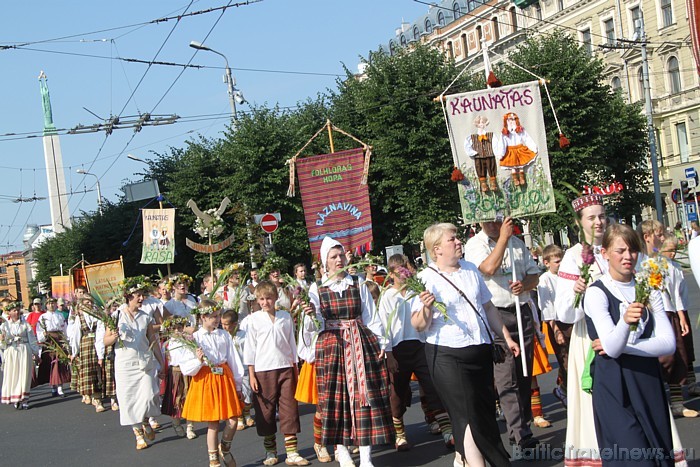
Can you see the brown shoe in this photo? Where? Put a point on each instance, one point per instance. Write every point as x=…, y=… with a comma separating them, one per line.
x=493, y=184
x=516, y=180
x=140, y=442
x=522, y=178
x=225, y=454
x=484, y=186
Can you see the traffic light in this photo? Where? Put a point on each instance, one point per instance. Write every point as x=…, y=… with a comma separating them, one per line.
x=686, y=194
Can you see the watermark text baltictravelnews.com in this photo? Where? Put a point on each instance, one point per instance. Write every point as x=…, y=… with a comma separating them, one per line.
x=559, y=453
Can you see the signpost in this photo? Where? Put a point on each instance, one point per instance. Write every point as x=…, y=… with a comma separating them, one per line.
x=269, y=223
x=691, y=178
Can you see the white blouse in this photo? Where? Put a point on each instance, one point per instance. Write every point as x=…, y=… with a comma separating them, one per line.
x=49, y=322
x=270, y=345
x=395, y=313
x=218, y=348
x=569, y=273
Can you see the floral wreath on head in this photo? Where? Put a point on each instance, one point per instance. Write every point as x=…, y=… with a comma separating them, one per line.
x=12, y=305
x=206, y=310
x=274, y=262
x=234, y=267
x=130, y=285
x=176, y=278
x=173, y=322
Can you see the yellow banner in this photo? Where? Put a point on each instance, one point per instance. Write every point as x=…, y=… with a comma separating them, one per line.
x=60, y=287
x=103, y=278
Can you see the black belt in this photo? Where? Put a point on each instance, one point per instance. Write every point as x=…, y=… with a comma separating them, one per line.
x=511, y=309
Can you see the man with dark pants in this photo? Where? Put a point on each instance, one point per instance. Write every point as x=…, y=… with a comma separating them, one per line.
x=489, y=251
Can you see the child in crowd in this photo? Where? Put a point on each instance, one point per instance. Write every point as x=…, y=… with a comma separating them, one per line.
x=407, y=356
x=176, y=383
x=271, y=355
x=19, y=346
x=230, y=324
x=629, y=399
x=557, y=332
x=212, y=395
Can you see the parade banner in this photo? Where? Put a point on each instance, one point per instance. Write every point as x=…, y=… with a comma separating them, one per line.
x=60, y=287
x=335, y=202
x=78, y=278
x=499, y=145
x=213, y=248
x=103, y=278
x=158, y=236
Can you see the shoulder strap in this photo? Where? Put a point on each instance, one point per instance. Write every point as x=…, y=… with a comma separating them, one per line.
x=464, y=296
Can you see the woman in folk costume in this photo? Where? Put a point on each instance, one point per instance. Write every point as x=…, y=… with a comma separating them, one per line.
x=136, y=354
x=515, y=149
x=51, y=331
x=581, y=440
x=81, y=333
x=19, y=351
x=351, y=375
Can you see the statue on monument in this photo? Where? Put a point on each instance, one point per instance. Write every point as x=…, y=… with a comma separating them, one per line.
x=46, y=102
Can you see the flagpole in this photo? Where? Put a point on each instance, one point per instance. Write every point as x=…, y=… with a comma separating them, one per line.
x=518, y=313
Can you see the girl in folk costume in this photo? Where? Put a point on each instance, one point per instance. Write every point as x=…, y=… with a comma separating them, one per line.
x=629, y=399
x=105, y=356
x=182, y=302
x=351, y=376
x=307, y=390
x=19, y=345
x=81, y=334
x=272, y=271
x=674, y=366
x=176, y=383
x=407, y=356
x=51, y=331
x=515, y=149
x=136, y=356
x=216, y=372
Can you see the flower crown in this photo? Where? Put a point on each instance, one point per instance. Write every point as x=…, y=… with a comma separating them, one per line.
x=175, y=321
x=174, y=279
x=274, y=263
x=371, y=259
x=12, y=306
x=133, y=284
x=234, y=267
x=205, y=310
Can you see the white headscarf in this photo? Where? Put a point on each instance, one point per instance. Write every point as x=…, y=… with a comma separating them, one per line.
x=327, y=245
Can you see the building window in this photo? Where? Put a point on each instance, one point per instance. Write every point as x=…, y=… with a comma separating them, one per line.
x=392, y=48
x=586, y=41
x=3, y=270
x=616, y=84
x=471, y=5
x=479, y=35
x=4, y=293
x=513, y=19
x=682, y=136
x=428, y=26
x=3, y=281
x=450, y=51
x=441, y=19
x=640, y=78
x=403, y=40
x=416, y=33
x=674, y=75
x=494, y=27
x=609, y=28
x=659, y=152
x=463, y=39
x=636, y=15
x=538, y=11
x=666, y=13
x=560, y=3
x=456, y=10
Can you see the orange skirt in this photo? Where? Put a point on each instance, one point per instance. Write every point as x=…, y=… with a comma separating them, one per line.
x=306, y=384
x=547, y=339
x=211, y=397
x=540, y=362
x=517, y=156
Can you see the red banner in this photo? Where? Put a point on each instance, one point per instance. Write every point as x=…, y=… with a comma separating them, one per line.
x=694, y=20
x=335, y=202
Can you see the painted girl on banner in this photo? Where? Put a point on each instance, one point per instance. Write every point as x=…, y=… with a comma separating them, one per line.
x=516, y=148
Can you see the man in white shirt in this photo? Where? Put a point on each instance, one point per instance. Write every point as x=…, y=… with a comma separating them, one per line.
x=489, y=251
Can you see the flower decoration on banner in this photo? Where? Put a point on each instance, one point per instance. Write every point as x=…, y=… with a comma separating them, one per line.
x=274, y=262
x=177, y=278
x=12, y=305
x=131, y=285
x=174, y=322
x=457, y=175
x=651, y=277
x=205, y=310
x=212, y=227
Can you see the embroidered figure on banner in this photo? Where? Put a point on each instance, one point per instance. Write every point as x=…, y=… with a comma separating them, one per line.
x=479, y=146
x=516, y=148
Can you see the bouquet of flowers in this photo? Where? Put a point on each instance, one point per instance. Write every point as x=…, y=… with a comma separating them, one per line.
x=651, y=277
x=59, y=349
x=183, y=339
x=414, y=286
x=213, y=228
x=587, y=259
x=102, y=314
x=299, y=293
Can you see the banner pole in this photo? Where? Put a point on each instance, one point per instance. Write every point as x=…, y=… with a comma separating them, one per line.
x=330, y=134
x=160, y=204
x=518, y=313
x=211, y=261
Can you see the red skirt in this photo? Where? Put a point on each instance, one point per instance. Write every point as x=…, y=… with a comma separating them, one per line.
x=211, y=398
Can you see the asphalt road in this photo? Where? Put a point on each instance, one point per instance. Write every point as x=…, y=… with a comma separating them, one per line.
x=64, y=432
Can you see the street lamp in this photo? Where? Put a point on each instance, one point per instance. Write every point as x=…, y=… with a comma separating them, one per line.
x=234, y=95
x=134, y=158
x=99, y=193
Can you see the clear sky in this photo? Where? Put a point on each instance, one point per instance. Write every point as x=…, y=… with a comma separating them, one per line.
x=62, y=38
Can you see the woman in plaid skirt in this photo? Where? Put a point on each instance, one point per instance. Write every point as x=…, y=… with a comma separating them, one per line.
x=105, y=358
x=351, y=376
x=81, y=334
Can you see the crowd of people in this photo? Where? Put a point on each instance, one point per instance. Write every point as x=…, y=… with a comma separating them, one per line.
x=473, y=328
